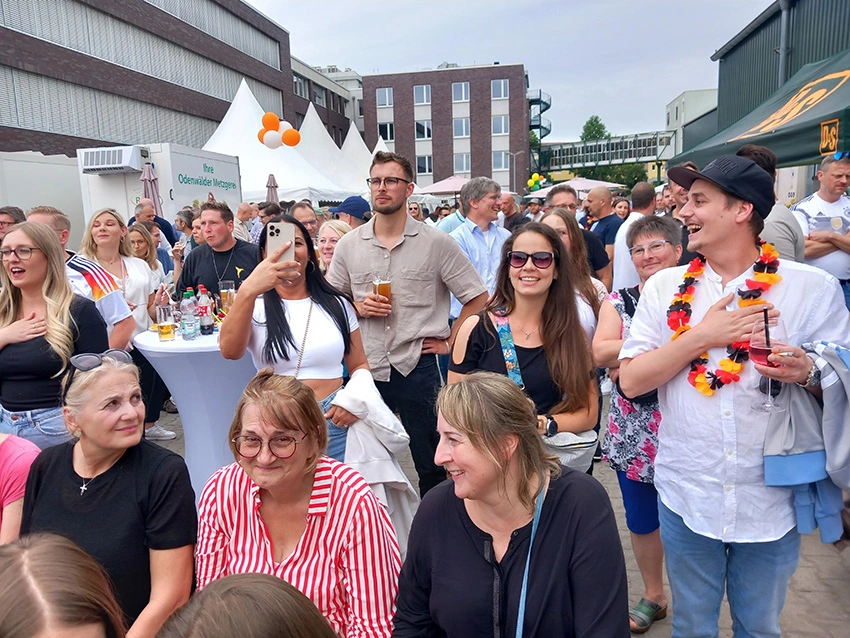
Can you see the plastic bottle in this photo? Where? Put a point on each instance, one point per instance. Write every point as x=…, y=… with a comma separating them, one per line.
x=205, y=312
x=189, y=318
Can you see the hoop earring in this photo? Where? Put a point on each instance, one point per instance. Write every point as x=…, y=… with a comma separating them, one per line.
x=311, y=267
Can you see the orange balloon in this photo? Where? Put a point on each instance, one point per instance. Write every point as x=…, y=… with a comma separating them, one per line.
x=262, y=133
x=271, y=121
x=291, y=137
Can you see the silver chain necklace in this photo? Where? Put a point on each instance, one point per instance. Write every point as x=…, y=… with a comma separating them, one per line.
x=217, y=276
x=84, y=486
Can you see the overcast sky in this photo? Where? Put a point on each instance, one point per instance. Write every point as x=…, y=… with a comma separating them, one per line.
x=623, y=60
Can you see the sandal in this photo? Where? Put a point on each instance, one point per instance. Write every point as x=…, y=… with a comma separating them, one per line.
x=645, y=613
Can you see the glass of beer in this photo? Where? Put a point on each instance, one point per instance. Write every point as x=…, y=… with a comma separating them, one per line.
x=381, y=286
x=165, y=323
x=227, y=290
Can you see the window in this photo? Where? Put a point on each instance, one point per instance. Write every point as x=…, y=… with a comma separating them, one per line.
x=384, y=97
x=677, y=113
x=387, y=131
x=501, y=161
x=462, y=163
x=461, y=126
x=423, y=129
x=424, y=165
x=359, y=107
x=300, y=87
x=498, y=89
x=320, y=96
x=299, y=120
x=668, y=118
x=422, y=94
x=501, y=125
x=460, y=92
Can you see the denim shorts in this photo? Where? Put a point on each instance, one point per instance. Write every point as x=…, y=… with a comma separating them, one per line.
x=336, y=434
x=44, y=427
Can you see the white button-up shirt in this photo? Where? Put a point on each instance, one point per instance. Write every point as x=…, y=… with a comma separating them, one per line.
x=710, y=464
x=484, y=250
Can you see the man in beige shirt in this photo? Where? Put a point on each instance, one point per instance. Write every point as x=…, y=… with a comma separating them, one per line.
x=241, y=227
x=402, y=332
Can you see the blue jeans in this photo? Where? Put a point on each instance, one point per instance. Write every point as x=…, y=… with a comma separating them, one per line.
x=846, y=288
x=45, y=427
x=336, y=434
x=754, y=575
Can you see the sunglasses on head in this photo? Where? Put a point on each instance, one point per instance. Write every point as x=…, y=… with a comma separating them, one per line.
x=840, y=155
x=91, y=360
x=518, y=259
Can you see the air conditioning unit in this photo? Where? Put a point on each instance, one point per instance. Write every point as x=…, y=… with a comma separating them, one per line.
x=114, y=159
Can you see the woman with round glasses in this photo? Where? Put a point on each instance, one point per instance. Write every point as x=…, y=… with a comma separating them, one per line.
x=287, y=510
x=125, y=501
x=535, y=305
x=42, y=325
x=632, y=434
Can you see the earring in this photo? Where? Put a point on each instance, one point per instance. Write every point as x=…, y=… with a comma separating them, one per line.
x=311, y=267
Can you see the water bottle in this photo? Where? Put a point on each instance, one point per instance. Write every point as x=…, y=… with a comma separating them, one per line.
x=189, y=319
x=205, y=311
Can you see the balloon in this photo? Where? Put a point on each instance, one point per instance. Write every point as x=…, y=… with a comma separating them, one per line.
x=262, y=134
x=284, y=125
x=535, y=177
x=291, y=137
x=530, y=183
x=536, y=187
x=271, y=121
x=272, y=139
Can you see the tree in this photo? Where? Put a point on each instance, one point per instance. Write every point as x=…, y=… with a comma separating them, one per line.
x=594, y=129
x=628, y=174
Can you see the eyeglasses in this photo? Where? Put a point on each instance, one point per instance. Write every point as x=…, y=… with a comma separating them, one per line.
x=282, y=447
x=413, y=208
x=652, y=248
x=91, y=360
x=7, y=224
x=389, y=182
x=22, y=252
x=541, y=260
x=841, y=155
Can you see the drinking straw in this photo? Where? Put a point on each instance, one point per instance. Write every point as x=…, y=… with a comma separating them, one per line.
x=766, y=328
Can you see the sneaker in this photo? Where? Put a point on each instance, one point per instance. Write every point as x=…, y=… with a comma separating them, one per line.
x=170, y=407
x=607, y=385
x=158, y=433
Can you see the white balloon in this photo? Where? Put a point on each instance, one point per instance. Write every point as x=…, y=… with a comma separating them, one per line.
x=272, y=139
x=284, y=125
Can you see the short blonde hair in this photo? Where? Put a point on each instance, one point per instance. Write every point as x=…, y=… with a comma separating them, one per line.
x=336, y=225
x=79, y=392
x=487, y=408
x=285, y=403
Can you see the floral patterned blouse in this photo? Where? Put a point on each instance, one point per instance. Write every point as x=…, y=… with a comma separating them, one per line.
x=631, y=441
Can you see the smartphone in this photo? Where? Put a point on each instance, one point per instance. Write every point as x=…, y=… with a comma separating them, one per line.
x=277, y=234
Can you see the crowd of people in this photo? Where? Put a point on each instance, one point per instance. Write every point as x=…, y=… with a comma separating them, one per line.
x=478, y=336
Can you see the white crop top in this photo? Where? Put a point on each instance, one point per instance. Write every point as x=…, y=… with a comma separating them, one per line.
x=324, y=349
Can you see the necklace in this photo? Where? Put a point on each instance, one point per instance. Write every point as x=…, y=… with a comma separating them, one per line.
x=679, y=318
x=217, y=276
x=84, y=486
x=528, y=334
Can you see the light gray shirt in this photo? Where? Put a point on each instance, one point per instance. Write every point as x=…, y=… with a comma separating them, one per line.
x=783, y=230
x=423, y=267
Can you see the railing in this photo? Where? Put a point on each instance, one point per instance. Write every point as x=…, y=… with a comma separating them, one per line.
x=541, y=125
x=625, y=149
x=536, y=97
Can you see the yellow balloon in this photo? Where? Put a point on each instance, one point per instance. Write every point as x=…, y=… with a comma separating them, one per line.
x=535, y=177
x=530, y=183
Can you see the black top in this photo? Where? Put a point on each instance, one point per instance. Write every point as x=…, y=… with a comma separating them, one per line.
x=166, y=228
x=606, y=228
x=200, y=268
x=451, y=585
x=145, y=501
x=597, y=258
x=687, y=256
x=484, y=353
x=28, y=370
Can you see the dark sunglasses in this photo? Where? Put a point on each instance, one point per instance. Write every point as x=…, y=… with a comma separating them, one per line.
x=91, y=360
x=541, y=260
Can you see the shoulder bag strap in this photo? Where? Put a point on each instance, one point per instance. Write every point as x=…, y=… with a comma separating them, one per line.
x=521, y=615
x=506, y=340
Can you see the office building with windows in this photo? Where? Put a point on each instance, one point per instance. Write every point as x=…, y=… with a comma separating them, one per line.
x=82, y=73
x=467, y=121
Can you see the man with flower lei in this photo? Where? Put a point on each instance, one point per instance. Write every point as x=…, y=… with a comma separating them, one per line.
x=720, y=524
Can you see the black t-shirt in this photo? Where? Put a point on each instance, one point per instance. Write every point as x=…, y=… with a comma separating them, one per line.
x=28, y=370
x=208, y=267
x=451, y=585
x=145, y=501
x=484, y=353
x=687, y=256
x=606, y=228
x=597, y=258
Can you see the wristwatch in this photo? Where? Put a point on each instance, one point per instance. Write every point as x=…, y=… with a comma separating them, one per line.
x=813, y=379
x=551, y=425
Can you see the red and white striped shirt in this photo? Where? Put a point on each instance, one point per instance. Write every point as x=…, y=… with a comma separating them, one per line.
x=347, y=562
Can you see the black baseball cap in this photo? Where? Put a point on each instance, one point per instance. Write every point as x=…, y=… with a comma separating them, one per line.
x=737, y=176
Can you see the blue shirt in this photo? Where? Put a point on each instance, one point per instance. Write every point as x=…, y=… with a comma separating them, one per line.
x=607, y=228
x=448, y=224
x=484, y=250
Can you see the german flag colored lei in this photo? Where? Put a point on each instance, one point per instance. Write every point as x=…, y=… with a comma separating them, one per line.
x=679, y=318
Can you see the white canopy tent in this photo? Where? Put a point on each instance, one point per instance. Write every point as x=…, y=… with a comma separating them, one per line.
x=296, y=177
x=357, y=155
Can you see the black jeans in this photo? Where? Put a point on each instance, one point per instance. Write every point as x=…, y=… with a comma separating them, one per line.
x=413, y=398
x=154, y=391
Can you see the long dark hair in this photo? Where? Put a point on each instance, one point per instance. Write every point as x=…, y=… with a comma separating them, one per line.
x=577, y=255
x=278, y=333
x=564, y=340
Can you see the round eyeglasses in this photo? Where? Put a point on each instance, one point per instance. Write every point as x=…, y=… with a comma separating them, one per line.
x=248, y=446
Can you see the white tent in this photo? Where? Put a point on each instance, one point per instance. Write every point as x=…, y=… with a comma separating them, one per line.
x=381, y=145
x=325, y=156
x=357, y=155
x=296, y=177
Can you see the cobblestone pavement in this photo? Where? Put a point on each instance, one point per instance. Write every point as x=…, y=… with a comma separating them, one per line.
x=818, y=603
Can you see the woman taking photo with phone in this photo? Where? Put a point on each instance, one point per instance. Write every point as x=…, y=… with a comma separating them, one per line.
x=290, y=318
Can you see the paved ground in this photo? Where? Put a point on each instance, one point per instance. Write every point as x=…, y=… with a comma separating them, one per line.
x=818, y=604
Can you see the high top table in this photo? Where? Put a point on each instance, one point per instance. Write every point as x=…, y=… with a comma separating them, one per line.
x=206, y=388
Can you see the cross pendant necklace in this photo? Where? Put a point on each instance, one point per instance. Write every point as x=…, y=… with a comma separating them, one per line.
x=84, y=486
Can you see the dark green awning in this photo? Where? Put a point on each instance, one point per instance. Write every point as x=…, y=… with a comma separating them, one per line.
x=806, y=119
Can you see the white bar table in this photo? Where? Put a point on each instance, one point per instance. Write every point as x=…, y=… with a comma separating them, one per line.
x=206, y=388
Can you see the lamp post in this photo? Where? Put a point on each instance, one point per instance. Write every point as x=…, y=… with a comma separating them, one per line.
x=513, y=169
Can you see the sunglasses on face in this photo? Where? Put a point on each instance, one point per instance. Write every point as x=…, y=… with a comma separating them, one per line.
x=542, y=260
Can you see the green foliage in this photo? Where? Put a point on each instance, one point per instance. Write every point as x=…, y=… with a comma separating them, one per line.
x=628, y=174
x=594, y=129
x=533, y=140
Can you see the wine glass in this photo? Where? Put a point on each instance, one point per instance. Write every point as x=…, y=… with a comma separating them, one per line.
x=766, y=335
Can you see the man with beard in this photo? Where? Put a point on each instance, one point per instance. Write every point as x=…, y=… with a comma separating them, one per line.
x=403, y=330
